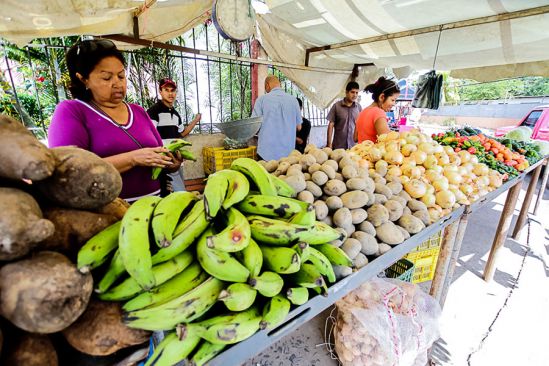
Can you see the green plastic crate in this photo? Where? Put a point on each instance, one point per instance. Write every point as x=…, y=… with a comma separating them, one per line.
x=402, y=270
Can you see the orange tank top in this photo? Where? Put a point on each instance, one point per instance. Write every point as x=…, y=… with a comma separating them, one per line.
x=365, y=123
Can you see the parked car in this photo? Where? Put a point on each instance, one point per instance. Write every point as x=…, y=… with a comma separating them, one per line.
x=537, y=119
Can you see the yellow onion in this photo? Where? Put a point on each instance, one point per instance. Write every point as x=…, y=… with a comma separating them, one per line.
x=430, y=189
x=393, y=135
x=430, y=161
x=466, y=189
x=374, y=154
x=434, y=214
x=428, y=199
x=445, y=199
x=412, y=139
x=474, y=159
x=480, y=169
x=394, y=170
x=415, y=188
x=437, y=148
x=453, y=177
x=441, y=184
x=449, y=150
x=496, y=181
x=392, y=146
x=407, y=149
x=426, y=147
x=393, y=157
x=418, y=156
x=443, y=159
x=449, y=168
x=465, y=156
x=455, y=159
x=432, y=175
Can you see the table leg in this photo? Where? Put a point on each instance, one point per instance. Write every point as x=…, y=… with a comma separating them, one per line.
x=455, y=255
x=446, y=248
x=526, y=204
x=542, y=188
x=503, y=228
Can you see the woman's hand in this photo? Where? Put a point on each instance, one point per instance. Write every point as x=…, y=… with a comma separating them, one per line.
x=177, y=159
x=153, y=157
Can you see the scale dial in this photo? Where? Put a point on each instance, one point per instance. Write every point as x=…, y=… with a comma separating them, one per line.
x=234, y=19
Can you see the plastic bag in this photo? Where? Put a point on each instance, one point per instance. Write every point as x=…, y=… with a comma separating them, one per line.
x=386, y=322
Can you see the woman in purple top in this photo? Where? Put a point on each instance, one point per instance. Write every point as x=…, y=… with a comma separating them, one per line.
x=99, y=120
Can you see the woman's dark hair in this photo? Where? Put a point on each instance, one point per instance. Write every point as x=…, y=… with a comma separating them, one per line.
x=82, y=58
x=382, y=86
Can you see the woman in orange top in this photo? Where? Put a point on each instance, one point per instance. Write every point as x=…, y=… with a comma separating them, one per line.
x=372, y=121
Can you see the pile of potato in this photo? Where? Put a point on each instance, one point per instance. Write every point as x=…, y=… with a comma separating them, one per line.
x=51, y=202
x=381, y=194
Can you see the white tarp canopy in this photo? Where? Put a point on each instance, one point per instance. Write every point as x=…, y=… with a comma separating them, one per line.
x=480, y=39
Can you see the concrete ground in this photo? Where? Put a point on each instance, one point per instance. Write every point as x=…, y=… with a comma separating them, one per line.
x=503, y=322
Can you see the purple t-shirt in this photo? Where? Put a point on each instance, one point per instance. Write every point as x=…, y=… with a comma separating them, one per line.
x=77, y=123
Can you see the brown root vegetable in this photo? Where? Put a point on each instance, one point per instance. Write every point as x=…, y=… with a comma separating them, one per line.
x=73, y=228
x=23, y=157
x=389, y=233
x=354, y=199
x=116, y=208
x=32, y=350
x=43, y=294
x=100, y=330
x=335, y=187
x=21, y=224
x=378, y=214
x=81, y=180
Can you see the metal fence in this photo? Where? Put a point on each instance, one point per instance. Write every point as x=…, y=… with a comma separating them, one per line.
x=34, y=79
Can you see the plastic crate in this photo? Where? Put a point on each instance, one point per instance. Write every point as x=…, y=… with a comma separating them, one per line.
x=425, y=257
x=217, y=158
x=402, y=270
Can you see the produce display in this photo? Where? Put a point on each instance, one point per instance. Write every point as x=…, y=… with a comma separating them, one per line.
x=176, y=146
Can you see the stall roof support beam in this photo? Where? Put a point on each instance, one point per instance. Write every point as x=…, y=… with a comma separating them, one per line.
x=432, y=29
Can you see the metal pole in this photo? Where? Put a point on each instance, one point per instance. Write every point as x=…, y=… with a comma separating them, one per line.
x=184, y=84
x=220, y=82
x=209, y=81
x=36, y=92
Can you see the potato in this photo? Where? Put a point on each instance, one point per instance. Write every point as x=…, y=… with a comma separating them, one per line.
x=313, y=188
x=100, y=330
x=334, y=187
x=319, y=155
x=404, y=232
x=378, y=214
x=271, y=165
x=380, y=198
x=306, y=196
x=81, y=180
x=339, y=177
x=342, y=271
x=383, y=248
x=314, y=168
x=384, y=190
x=371, y=199
x=395, y=209
x=334, y=202
x=319, y=177
x=73, y=228
x=359, y=215
x=358, y=184
x=306, y=161
x=380, y=180
x=282, y=168
x=116, y=208
x=363, y=172
x=43, y=294
x=381, y=167
x=327, y=220
x=405, y=195
x=349, y=172
x=423, y=215
x=367, y=227
x=321, y=209
x=342, y=217
x=416, y=205
x=294, y=169
x=360, y=260
x=32, y=350
x=389, y=233
x=338, y=154
x=351, y=247
x=411, y=224
x=354, y=199
x=347, y=161
x=309, y=147
x=293, y=159
x=349, y=229
x=343, y=235
x=406, y=211
x=21, y=224
x=297, y=182
x=327, y=150
x=307, y=176
x=23, y=156
x=367, y=241
x=331, y=163
x=395, y=186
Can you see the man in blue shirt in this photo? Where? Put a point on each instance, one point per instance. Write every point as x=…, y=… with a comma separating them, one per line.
x=281, y=119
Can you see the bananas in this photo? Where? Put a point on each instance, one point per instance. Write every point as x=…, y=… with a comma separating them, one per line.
x=190, y=228
x=162, y=273
x=280, y=232
x=281, y=259
x=133, y=241
x=306, y=217
x=115, y=270
x=206, y=352
x=238, y=187
x=214, y=193
x=322, y=263
x=166, y=216
x=251, y=257
x=298, y=295
x=308, y=276
x=171, y=350
x=180, y=284
x=184, y=308
x=268, y=284
x=218, y=263
x=238, y=296
x=282, y=188
x=335, y=255
x=257, y=173
x=303, y=249
x=174, y=146
x=272, y=206
x=275, y=312
x=96, y=250
x=235, y=236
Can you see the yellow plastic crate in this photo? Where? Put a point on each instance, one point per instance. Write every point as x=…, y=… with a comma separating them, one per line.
x=425, y=257
x=217, y=158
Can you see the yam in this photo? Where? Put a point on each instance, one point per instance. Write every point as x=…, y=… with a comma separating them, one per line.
x=395, y=209
x=338, y=154
x=360, y=260
x=23, y=156
x=320, y=178
x=100, y=330
x=294, y=169
x=416, y=205
x=351, y=247
x=32, y=350
x=271, y=165
x=81, y=180
x=380, y=198
x=43, y=294
x=321, y=209
x=314, y=168
x=334, y=203
x=73, y=228
x=358, y=215
x=383, y=248
x=378, y=214
x=423, y=215
x=21, y=224
x=395, y=186
x=383, y=189
x=306, y=196
x=367, y=241
x=367, y=227
x=349, y=172
x=306, y=161
x=332, y=164
x=297, y=182
x=313, y=188
x=411, y=224
x=389, y=233
x=342, y=217
x=356, y=184
x=116, y=208
x=334, y=187
x=354, y=199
